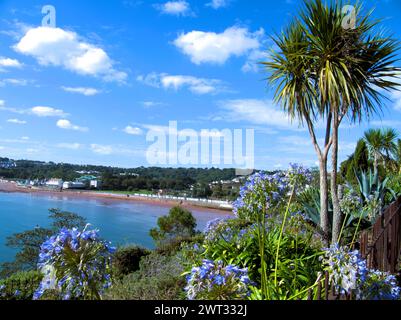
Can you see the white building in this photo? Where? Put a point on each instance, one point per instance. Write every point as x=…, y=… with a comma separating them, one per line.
x=74, y=185
x=55, y=183
x=96, y=184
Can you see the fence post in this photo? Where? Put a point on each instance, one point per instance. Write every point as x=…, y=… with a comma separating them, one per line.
x=326, y=285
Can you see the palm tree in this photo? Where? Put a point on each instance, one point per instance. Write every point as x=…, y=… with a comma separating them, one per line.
x=381, y=145
x=296, y=91
x=390, y=137
x=374, y=142
x=355, y=66
x=345, y=69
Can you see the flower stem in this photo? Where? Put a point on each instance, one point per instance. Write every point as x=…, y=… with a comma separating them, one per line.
x=343, y=227
x=281, y=234
x=356, y=230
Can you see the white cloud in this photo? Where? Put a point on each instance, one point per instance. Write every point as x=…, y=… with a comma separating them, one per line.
x=101, y=149
x=67, y=125
x=176, y=82
x=14, y=82
x=150, y=104
x=133, y=131
x=9, y=63
x=261, y=112
x=396, y=97
x=347, y=147
x=81, y=90
x=32, y=150
x=122, y=150
x=16, y=121
x=217, y=48
x=58, y=47
x=156, y=128
x=175, y=8
x=41, y=111
x=71, y=146
x=254, y=58
x=217, y=4
x=25, y=138
x=385, y=123
x=298, y=141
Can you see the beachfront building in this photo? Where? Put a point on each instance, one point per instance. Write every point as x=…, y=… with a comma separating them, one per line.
x=74, y=185
x=90, y=181
x=95, y=184
x=54, y=183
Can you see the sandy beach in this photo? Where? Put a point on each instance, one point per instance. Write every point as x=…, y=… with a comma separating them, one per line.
x=10, y=187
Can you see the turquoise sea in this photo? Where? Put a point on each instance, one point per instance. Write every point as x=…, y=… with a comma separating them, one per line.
x=120, y=222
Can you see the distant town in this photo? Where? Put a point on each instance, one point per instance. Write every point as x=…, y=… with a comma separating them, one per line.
x=195, y=183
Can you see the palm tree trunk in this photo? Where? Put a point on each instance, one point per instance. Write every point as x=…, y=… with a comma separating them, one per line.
x=324, y=199
x=324, y=189
x=376, y=163
x=337, y=216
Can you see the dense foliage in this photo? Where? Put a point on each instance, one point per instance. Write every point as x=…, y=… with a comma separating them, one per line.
x=126, y=260
x=178, y=224
x=159, y=278
x=20, y=286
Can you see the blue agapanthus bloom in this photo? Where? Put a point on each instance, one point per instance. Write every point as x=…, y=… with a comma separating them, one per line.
x=75, y=263
x=217, y=228
x=214, y=281
x=350, y=274
x=264, y=192
x=379, y=285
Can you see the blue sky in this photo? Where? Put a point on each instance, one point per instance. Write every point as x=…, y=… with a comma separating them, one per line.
x=88, y=91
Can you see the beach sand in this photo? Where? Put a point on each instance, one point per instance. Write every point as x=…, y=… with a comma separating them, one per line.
x=10, y=187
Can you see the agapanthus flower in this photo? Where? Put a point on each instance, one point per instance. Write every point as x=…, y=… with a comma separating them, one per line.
x=349, y=273
x=264, y=192
x=58, y=262
x=214, y=281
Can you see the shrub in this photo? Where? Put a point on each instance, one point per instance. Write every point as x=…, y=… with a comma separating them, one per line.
x=20, y=286
x=238, y=244
x=179, y=223
x=159, y=278
x=126, y=260
x=175, y=245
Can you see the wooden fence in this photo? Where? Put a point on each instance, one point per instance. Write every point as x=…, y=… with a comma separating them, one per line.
x=380, y=246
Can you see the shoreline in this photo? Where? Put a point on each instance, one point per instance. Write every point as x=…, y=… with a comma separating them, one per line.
x=9, y=187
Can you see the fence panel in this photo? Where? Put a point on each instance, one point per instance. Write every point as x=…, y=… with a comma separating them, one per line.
x=382, y=250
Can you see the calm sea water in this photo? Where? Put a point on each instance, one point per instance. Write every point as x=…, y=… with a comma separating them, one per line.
x=119, y=222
